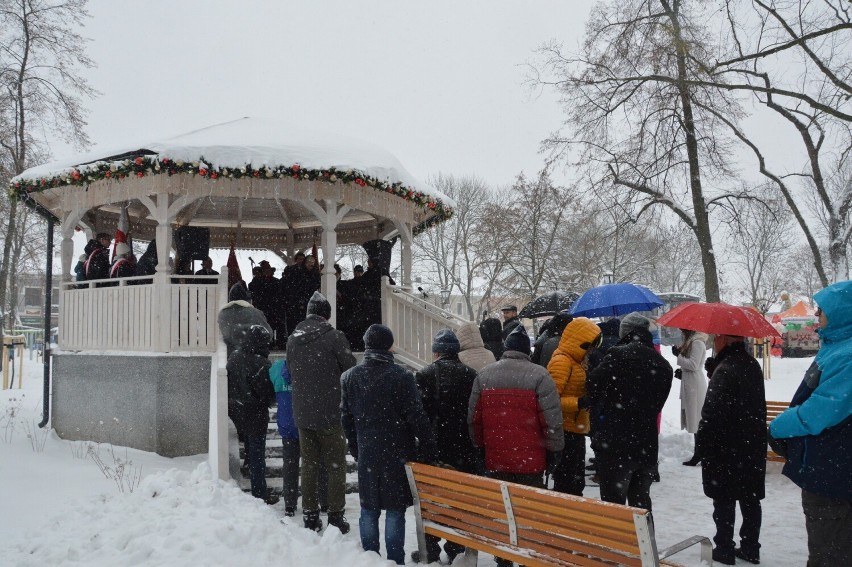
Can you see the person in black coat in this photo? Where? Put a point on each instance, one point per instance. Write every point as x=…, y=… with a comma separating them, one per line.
x=385, y=426
x=548, y=338
x=491, y=331
x=147, y=264
x=445, y=387
x=510, y=320
x=731, y=442
x=626, y=392
x=250, y=393
x=609, y=338
x=97, y=262
x=265, y=292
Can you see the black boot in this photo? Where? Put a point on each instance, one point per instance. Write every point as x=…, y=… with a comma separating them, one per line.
x=338, y=520
x=693, y=461
x=725, y=556
x=313, y=521
x=746, y=556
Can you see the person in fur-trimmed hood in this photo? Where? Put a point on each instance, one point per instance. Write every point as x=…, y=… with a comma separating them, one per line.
x=237, y=316
x=567, y=366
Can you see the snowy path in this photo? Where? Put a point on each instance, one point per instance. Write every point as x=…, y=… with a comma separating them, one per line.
x=57, y=507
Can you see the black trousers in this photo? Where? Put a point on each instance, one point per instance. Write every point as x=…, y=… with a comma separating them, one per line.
x=829, y=525
x=570, y=476
x=724, y=514
x=626, y=482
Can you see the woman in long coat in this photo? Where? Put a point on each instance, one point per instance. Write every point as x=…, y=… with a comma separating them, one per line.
x=693, y=384
x=732, y=444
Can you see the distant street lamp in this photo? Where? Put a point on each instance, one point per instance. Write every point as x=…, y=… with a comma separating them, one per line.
x=445, y=297
x=607, y=278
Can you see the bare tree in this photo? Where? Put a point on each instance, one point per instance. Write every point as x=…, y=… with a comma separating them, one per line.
x=41, y=90
x=462, y=254
x=635, y=98
x=759, y=245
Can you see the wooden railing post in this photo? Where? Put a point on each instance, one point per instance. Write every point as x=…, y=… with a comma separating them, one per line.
x=217, y=454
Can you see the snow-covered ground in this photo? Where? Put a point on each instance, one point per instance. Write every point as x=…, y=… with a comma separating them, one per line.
x=58, y=508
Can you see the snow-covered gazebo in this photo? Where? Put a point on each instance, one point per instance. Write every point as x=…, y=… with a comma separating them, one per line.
x=135, y=361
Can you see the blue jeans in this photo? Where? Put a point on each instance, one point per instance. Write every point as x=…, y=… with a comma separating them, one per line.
x=256, y=453
x=394, y=533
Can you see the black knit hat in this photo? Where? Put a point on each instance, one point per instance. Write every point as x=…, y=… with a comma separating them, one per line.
x=319, y=305
x=518, y=340
x=378, y=337
x=446, y=342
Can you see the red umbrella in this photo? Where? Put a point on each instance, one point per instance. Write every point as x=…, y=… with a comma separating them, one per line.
x=719, y=319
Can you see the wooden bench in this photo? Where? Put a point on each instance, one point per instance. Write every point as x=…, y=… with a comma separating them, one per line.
x=772, y=411
x=533, y=526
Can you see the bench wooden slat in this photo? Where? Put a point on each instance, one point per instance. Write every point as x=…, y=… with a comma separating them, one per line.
x=499, y=535
x=496, y=549
x=625, y=542
x=465, y=502
x=536, y=509
x=773, y=409
x=555, y=547
x=439, y=513
x=538, y=497
x=485, y=493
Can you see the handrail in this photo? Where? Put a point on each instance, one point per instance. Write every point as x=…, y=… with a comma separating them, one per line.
x=430, y=307
x=90, y=284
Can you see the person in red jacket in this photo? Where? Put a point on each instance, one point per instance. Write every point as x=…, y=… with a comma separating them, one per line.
x=515, y=416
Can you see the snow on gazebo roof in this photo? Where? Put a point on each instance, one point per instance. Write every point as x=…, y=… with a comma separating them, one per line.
x=247, y=147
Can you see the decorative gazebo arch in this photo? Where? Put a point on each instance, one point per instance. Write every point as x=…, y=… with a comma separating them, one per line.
x=263, y=183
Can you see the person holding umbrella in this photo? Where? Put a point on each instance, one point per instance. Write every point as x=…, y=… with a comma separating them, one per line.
x=693, y=385
x=731, y=442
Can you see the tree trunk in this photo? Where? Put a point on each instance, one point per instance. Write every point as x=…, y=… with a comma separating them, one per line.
x=702, y=220
x=7, y=253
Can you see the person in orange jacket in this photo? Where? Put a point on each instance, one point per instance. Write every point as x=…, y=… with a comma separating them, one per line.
x=567, y=367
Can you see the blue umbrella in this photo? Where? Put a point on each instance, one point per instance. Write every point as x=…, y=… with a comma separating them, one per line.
x=611, y=300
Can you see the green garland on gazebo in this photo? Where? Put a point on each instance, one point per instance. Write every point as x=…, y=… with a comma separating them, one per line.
x=144, y=165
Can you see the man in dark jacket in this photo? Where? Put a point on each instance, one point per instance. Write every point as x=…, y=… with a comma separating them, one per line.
x=445, y=387
x=266, y=295
x=731, y=441
x=147, y=264
x=491, y=331
x=237, y=316
x=510, y=319
x=97, y=262
x=317, y=354
x=626, y=392
x=385, y=426
x=250, y=394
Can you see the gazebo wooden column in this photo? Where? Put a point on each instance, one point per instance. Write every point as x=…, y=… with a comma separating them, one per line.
x=329, y=215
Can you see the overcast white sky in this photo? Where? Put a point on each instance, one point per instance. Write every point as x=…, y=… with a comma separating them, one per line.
x=439, y=83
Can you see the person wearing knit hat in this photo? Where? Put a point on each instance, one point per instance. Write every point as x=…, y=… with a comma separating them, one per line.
x=317, y=356
x=518, y=340
x=445, y=342
x=445, y=387
x=319, y=305
x=626, y=392
x=634, y=322
x=385, y=426
x=378, y=337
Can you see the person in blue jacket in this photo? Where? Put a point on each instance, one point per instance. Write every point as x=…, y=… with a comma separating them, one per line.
x=817, y=430
x=279, y=375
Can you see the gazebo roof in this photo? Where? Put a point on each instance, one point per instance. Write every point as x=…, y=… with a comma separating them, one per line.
x=238, y=167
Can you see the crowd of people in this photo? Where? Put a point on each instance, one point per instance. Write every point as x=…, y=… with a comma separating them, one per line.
x=490, y=405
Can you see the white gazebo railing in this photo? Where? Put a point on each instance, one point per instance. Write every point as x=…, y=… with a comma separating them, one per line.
x=136, y=315
x=414, y=322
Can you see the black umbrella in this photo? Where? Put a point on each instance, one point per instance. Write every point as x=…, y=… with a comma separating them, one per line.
x=549, y=304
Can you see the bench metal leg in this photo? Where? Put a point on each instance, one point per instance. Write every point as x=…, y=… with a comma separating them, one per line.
x=706, y=548
x=418, y=518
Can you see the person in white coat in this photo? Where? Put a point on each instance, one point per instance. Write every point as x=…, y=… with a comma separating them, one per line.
x=693, y=385
x=473, y=352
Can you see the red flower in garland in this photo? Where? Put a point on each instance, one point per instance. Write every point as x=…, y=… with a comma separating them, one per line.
x=202, y=172
x=296, y=167
x=107, y=174
x=164, y=161
x=75, y=175
x=214, y=175
x=140, y=174
x=360, y=182
x=138, y=161
x=432, y=205
x=255, y=173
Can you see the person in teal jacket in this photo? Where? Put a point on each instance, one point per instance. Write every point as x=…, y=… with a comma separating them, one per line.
x=817, y=432
x=279, y=375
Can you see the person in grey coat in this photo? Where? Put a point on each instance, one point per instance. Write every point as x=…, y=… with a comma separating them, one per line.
x=317, y=355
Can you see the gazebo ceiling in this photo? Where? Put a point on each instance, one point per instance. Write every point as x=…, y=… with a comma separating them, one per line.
x=247, y=176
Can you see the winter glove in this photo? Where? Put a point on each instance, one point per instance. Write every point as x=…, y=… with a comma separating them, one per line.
x=777, y=445
x=678, y=374
x=710, y=366
x=675, y=351
x=583, y=403
x=553, y=459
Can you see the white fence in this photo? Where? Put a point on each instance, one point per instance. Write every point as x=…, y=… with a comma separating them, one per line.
x=414, y=322
x=137, y=315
